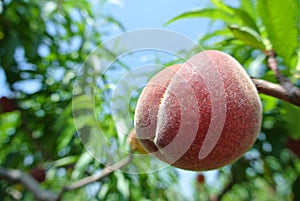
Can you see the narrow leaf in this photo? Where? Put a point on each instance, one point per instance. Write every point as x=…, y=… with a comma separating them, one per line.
x=83, y=102
x=246, y=19
x=222, y=6
x=66, y=136
x=81, y=165
x=249, y=6
x=248, y=36
x=217, y=33
x=69, y=160
x=212, y=13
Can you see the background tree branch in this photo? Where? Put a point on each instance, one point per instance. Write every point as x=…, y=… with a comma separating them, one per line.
x=29, y=183
x=97, y=176
x=46, y=195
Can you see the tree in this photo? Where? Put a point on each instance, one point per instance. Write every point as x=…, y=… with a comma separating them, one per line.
x=42, y=45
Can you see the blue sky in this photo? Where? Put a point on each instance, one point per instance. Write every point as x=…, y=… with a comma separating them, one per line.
x=137, y=14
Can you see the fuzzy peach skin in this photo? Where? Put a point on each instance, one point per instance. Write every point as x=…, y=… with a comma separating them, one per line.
x=200, y=115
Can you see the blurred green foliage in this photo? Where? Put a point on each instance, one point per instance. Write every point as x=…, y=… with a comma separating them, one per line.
x=42, y=46
x=44, y=43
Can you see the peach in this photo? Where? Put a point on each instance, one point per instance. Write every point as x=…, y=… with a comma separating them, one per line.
x=200, y=115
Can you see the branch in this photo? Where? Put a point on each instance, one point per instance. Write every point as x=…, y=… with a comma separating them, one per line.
x=97, y=176
x=273, y=65
x=45, y=195
x=277, y=91
x=29, y=183
x=290, y=92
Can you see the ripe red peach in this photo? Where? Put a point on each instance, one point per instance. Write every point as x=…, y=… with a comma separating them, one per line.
x=200, y=115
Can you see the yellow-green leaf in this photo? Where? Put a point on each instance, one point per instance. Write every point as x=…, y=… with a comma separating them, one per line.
x=248, y=36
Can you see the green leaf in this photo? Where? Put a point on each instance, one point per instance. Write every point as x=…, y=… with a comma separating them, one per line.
x=249, y=6
x=81, y=165
x=269, y=103
x=82, y=102
x=246, y=19
x=103, y=191
x=85, y=121
x=248, y=36
x=212, y=13
x=65, y=137
x=226, y=43
x=222, y=6
x=216, y=33
x=281, y=20
x=298, y=65
x=295, y=188
x=292, y=116
x=65, y=161
x=122, y=184
x=222, y=12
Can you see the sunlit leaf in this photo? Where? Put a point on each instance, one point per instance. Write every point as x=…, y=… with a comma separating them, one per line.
x=246, y=19
x=83, y=102
x=222, y=6
x=219, y=33
x=81, y=165
x=69, y=160
x=297, y=73
x=281, y=21
x=249, y=6
x=269, y=102
x=122, y=185
x=248, y=36
x=211, y=13
x=65, y=137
